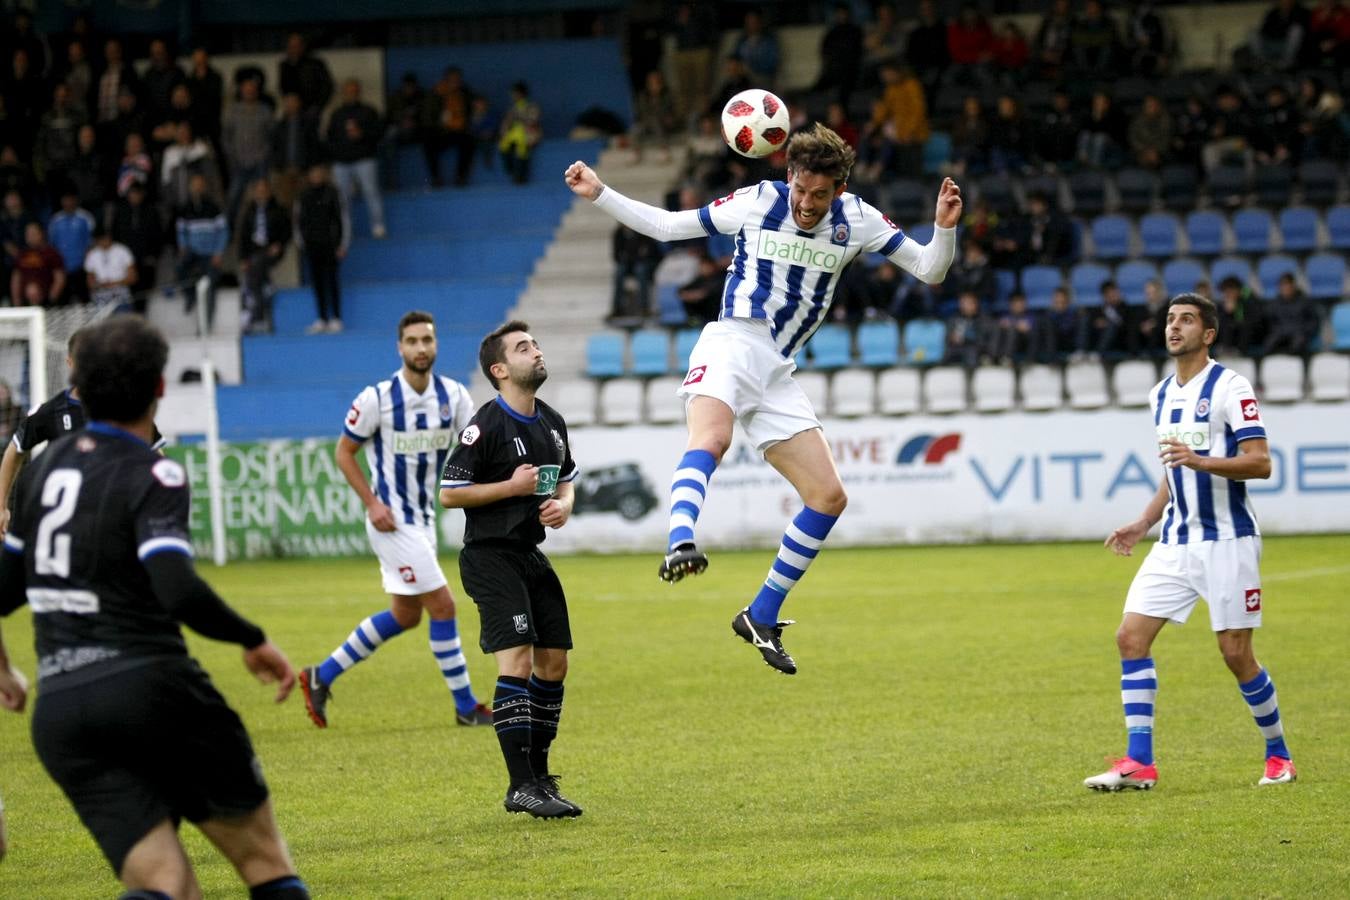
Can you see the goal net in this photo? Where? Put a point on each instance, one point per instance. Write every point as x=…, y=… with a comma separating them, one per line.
x=33, y=350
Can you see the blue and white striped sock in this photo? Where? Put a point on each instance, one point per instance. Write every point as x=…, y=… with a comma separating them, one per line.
x=1260, y=696
x=801, y=543
x=1138, y=690
x=364, y=640
x=445, y=646
x=688, y=487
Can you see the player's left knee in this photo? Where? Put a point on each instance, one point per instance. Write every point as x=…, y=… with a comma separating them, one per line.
x=831, y=502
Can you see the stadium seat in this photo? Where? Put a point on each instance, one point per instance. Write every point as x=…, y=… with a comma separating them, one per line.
x=1131, y=382
x=1326, y=276
x=664, y=406
x=994, y=388
x=944, y=389
x=604, y=355
x=1087, y=188
x=1132, y=276
x=1137, y=188
x=1340, y=326
x=1229, y=265
x=1181, y=275
x=922, y=233
x=650, y=350
x=1270, y=268
x=1039, y=283
x=1160, y=233
x=1251, y=231
x=1298, y=229
x=898, y=391
x=669, y=310
x=1205, y=232
x=1273, y=184
x=685, y=339
x=937, y=152
x=830, y=347
x=575, y=400
x=1321, y=180
x=879, y=343
x=1111, y=237
x=1005, y=282
x=1085, y=283
x=621, y=401
x=817, y=388
x=1329, y=377
x=853, y=393
x=1041, y=387
x=1178, y=187
x=1338, y=227
x=1281, y=378
x=1227, y=186
x=1086, y=384
x=925, y=341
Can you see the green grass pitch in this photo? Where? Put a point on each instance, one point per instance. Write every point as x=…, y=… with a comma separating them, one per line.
x=950, y=702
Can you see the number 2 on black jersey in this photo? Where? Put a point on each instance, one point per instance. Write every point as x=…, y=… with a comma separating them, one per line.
x=59, y=493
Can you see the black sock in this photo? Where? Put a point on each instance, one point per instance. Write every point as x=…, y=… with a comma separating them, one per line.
x=511, y=720
x=546, y=699
x=287, y=887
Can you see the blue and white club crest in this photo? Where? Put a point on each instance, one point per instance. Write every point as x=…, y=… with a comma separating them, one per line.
x=841, y=233
x=445, y=410
x=1202, y=408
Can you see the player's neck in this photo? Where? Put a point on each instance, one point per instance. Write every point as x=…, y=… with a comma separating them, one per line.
x=143, y=428
x=519, y=399
x=418, y=381
x=1190, y=365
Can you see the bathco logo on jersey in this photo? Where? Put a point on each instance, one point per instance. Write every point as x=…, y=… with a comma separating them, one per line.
x=796, y=250
x=428, y=440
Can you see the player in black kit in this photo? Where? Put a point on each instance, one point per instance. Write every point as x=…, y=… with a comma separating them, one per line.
x=512, y=475
x=126, y=722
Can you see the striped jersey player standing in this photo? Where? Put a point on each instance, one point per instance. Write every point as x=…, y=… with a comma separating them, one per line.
x=407, y=424
x=1212, y=441
x=792, y=242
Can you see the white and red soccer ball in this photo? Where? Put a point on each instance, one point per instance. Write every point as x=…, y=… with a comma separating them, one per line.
x=755, y=123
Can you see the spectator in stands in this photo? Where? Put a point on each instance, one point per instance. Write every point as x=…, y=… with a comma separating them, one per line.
x=1016, y=336
x=1328, y=41
x=521, y=133
x=970, y=43
x=203, y=236
x=305, y=74
x=926, y=48
x=322, y=233
x=836, y=117
x=78, y=76
x=970, y=139
x=735, y=78
x=246, y=138
x=695, y=43
x=263, y=234
x=1240, y=319
x=136, y=225
x=128, y=120
x=57, y=141
x=11, y=413
x=207, y=92
x=1229, y=140
x=654, y=116
x=1055, y=133
x=971, y=273
x=893, y=140
x=1009, y=137
x=403, y=126
x=39, y=277
x=353, y=138
x=1146, y=41
x=1094, y=43
x=1043, y=236
x=159, y=80
x=1062, y=332
x=14, y=221
x=295, y=148
x=1193, y=126
x=445, y=123
x=1276, y=139
x=1110, y=324
x=135, y=167
x=14, y=176
x=87, y=173
x=187, y=157
x=635, y=259
x=1150, y=325
x=1101, y=144
x=1322, y=120
x=25, y=97
x=484, y=124
x=702, y=296
x=757, y=47
x=841, y=54
x=883, y=42
x=23, y=36
x=1009, y=53
x=71, y=231
x=1292, y=319
x=1150, y=134
x=165, y=123
x=115, y=75
x=111, y=271
x=1054, y=38
x=1278, y=42
x=970, y=333
x=981, y=223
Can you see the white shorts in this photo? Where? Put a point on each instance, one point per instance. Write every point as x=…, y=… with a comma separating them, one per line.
x=407, y=556
x=1226, y=574
x=735, y=361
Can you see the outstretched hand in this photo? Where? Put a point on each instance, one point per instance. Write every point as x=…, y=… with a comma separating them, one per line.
x=269, y=664
x=13, y=689
x=583, y=181
x=948, y=204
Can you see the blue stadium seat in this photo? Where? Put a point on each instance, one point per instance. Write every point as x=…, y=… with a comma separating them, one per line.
x=604, y=355
x=1338, y=227
x=1251, y=231
x=937, y=152
x=1160, y=234
x=1182, y=275
x=650, y=350
x=670, y=311
x=830, y=347
x=1225, y=266
x=1005, y=282
x=1270, y=268
x=925, y=341
x=879, y=343
x=1085, y=283
x=685, y=339
x=1340, y=326
x=1132, y=276
x=1326, y=276
x=922, y=233
x=1298, y=229
x=1039, y=283
x=1111, y=237
x=1204, y=231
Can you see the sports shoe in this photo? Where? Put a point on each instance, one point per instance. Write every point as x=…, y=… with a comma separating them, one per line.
x=685, y=559
x=318, y=326
x=316, y=694
x=1278, y=771
x=1124, y=773
x=379, y=233
x=535, y=799
x=335, y=326
x=479, y=715
x=550, y=784
x=767, y=639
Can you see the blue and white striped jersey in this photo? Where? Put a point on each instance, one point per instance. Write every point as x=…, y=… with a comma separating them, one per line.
x=407, y=437
x=1213, y=413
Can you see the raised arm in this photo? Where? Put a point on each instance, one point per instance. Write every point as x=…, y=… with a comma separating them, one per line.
x=643, y=218
x=929, y=263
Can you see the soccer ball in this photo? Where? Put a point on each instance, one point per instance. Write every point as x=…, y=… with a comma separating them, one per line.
x=755, y=123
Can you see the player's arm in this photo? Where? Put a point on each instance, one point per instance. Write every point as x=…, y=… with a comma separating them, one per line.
x=1252, y=460
x=556, y=510
x=13, y=686
x=929, y=263
x=10, y=465
x=643, y=218
x=381, y=516
x=1121, y=541
x=522, y=483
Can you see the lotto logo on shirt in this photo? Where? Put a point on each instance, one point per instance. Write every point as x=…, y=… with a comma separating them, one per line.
x=1254, y=600
x=407, y=574
x=695, y=375
x=1250, y=411
x=354, y=415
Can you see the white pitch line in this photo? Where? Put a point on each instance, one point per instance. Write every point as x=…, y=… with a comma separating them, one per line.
x=1308, y=573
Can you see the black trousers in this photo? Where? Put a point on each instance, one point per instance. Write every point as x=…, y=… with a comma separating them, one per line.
x=323, y=276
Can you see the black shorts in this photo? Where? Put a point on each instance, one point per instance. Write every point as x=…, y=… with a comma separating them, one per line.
x=520, y=600
x=143, y=745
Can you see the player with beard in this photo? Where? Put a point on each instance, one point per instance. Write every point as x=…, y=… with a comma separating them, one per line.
x=407, y=424
x=512, y=474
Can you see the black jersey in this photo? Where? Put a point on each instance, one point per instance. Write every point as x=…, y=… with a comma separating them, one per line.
x=496, y=442
x=87, y=514
x=56, y=418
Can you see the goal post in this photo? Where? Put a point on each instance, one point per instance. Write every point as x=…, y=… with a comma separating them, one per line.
x=23, y=354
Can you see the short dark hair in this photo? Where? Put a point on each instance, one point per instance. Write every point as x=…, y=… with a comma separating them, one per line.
x=820, y=151
x=1209, y=313
x=414, y=317
x=119, y=365
x=493, y=351
x=74, y=341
